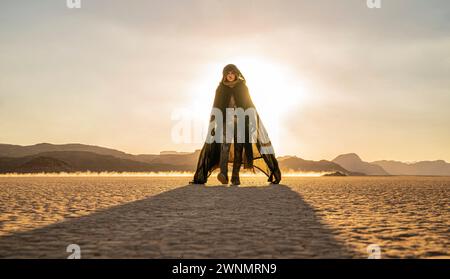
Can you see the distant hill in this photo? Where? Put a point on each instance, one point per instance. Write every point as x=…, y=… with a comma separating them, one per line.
x=182, y=160
x=43, y=164
x=186, y=160
x=353, y=162
x=291, y=163
x=438, y=167
x=46, y=157
x=78, y=157
x=71, y=161
x=9, y=150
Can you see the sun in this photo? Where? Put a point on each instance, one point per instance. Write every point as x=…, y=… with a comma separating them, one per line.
x=275, y=90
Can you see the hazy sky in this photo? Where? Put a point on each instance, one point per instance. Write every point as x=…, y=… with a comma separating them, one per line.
x=328, y=77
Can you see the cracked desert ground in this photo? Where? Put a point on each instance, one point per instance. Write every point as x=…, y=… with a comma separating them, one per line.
x=164, y=217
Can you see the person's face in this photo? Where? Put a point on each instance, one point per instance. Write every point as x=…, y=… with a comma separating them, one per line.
x=231, y=76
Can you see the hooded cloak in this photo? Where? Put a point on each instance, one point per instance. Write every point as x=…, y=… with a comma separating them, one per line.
x=258, y=151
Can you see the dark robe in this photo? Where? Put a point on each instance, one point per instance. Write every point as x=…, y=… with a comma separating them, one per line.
x=252, y=156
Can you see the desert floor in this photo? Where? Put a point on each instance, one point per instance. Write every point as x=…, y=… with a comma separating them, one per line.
x=164, y=217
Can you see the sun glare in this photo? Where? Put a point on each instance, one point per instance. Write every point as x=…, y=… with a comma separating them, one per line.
x=275, y=90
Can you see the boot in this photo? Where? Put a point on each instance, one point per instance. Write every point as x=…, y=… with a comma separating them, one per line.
x=238, y=149
x=235, y=181
x=222, y=178
x=224, y=152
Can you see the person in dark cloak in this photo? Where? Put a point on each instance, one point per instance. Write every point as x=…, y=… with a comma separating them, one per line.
x=250, y=146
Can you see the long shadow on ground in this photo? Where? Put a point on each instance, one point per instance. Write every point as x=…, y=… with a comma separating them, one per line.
x=190, y=222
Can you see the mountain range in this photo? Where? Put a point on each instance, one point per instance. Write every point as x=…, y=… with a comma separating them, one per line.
x=46, y=157
x=353, y=162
